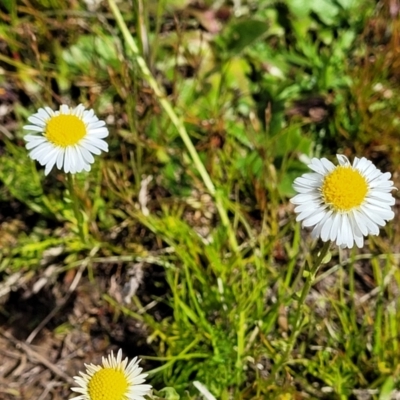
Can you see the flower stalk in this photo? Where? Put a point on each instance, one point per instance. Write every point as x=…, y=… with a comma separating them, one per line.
x=75, y=202
x=310, y=274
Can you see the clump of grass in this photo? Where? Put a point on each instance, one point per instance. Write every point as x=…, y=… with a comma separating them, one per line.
x=209, y=128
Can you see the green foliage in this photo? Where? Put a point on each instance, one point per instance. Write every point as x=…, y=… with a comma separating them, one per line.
x=274, y=84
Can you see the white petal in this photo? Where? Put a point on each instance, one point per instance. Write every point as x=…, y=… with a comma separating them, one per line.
x=316, y=232
x=46, y=113
x=359, y=241
x=49, y=155
x=381, y=199
x=50, y=163
x=67, y=160
x=30, y=138
x=60, y=159
x=88, y=146
x=315, y=218
x=305, y=182
x=335, y=227
x=34, y=143
x=371, y=171
x=378, y=213
x=38, y=120
x=79, y=111
x=101, y=144
x=86, y=167
x=359, y=220
x=303, y=189
x=346, y=235
x=386, y=199
x=372, y=227
x=354, y=225
x=308, y=206
x=89, y=115
x=33, y=128
x=87, y=155
x=363, y=164
x=373, y=214
x=380, y=183
x=305, y=198
x=64, y=109
x=99, y=133
x=326, y=229
x=343, y=160
x=96, y=124
x=40, y=151
x=79, y=162
x=329, y=166
x=72, y=159
x=317, y=166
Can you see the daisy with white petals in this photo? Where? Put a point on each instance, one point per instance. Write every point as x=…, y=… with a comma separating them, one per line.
x=67, y=138
x=344, y=203
x=114, y=380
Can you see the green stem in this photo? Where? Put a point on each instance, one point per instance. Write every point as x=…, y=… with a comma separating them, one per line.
x=310, y=274
x=75, y=206
x=177, y=122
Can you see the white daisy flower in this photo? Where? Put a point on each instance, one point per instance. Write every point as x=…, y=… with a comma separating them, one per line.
x=114, y=380
x=65, y=138
x=344, y=203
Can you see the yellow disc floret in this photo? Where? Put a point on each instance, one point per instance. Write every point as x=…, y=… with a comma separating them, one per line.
x=344, y=188
x=108, y=384
x=65, y=130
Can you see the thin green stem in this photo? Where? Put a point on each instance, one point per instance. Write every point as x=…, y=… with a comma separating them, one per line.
x=310, y=275
x=179, y=125
x=75, y=206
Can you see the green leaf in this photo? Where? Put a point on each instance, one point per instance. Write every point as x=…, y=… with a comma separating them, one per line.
x=300, y=8
x=326, y=10
x=22, y=179
x=387, y=389
x=168, y=393
x=92, y=53
x=347, y=4
x=245, y=33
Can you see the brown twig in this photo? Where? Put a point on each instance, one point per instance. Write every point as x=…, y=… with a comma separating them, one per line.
x=35, y=356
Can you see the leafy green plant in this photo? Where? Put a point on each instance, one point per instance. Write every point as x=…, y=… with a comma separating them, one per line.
x=208, y=130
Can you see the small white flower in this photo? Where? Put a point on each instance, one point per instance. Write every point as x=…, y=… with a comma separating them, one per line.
x=344, y=203
x=65, y=138
x=114, y=380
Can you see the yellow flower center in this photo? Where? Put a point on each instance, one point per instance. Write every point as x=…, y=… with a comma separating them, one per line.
x=65, y=130
x=344, y=188
x=108, y=384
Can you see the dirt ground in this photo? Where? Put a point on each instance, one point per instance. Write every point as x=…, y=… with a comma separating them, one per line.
x=51, y=324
